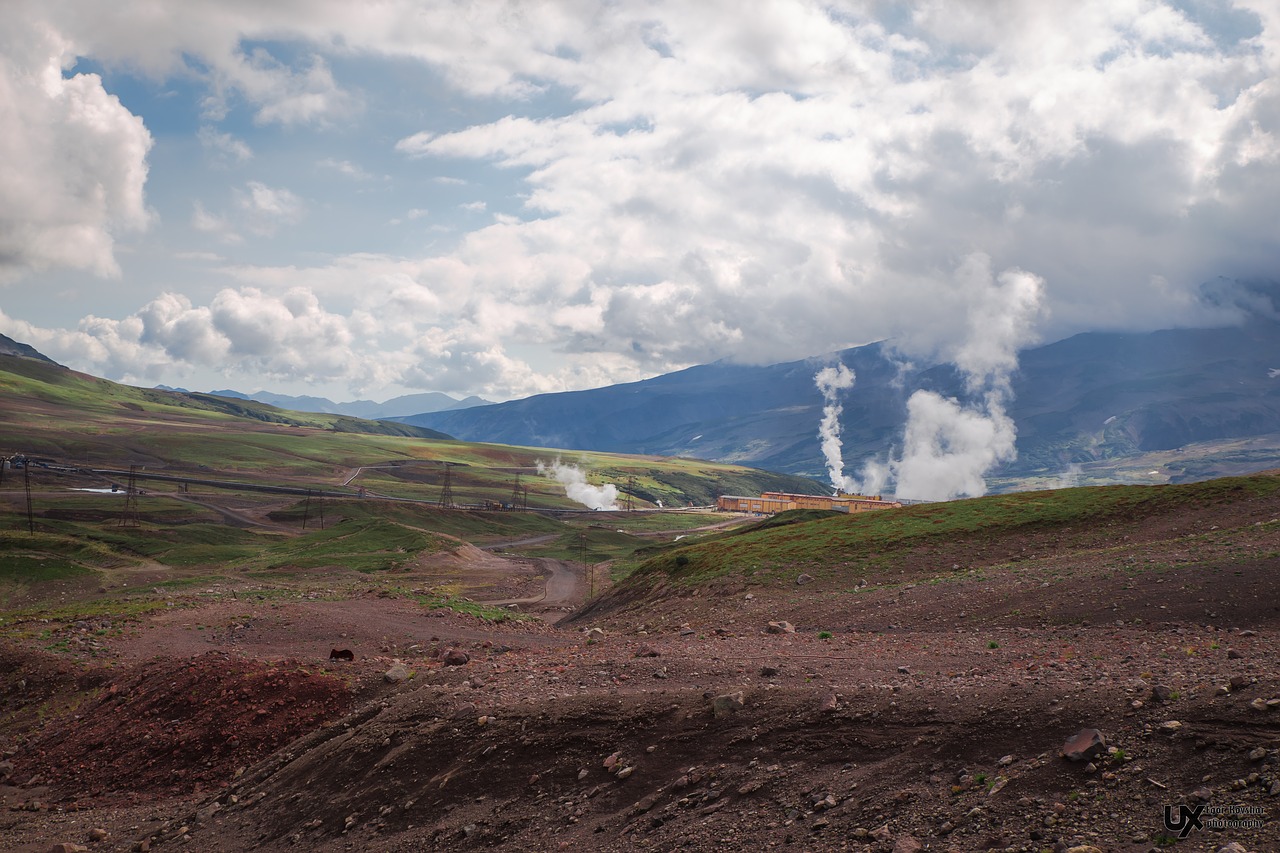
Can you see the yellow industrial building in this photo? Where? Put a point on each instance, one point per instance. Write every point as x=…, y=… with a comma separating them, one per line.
x=769, y=503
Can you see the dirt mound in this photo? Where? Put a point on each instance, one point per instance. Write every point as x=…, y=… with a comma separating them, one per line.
x=175, y=726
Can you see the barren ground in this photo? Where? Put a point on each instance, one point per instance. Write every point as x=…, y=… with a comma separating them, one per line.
x=929, y=708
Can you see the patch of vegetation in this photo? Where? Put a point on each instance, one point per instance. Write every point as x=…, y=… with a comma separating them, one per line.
x=788, y=541
x=366, y=546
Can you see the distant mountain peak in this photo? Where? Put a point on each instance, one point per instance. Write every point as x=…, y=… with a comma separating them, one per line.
x=8, y=346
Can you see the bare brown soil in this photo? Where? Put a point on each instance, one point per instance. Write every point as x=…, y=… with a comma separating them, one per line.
x=934, y=713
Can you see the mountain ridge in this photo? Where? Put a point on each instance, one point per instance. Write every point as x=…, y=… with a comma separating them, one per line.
x=1090, y=398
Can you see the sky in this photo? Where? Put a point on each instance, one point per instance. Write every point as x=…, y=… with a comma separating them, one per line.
x=360, y=200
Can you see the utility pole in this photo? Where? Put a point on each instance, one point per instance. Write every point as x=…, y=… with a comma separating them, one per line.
x=582, y=558
x=629, y=503
x=26, y=479
x=129, y=518
x=515, y=492
x=306, y=509
x=446, y=494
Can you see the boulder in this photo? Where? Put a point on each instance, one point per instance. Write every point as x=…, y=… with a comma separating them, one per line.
x=398, y=672
x=780, y=627
x=728, y=703
x=1084, y=745
x=455, y=657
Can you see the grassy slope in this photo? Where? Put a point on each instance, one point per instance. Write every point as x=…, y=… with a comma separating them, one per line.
x=847, y=545
x=79, y=419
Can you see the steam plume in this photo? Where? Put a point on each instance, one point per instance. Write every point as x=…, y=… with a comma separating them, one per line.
x=577, y=488
x=831, y=381
x=948, y=447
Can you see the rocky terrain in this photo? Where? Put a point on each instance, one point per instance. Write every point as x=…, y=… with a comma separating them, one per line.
x=1111, y=688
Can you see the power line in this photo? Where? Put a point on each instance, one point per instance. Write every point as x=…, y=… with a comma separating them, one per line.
x=26, y=479
x=446, y=493
x=129, y=518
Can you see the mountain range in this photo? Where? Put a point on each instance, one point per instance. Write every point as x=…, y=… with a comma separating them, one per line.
x=408, y=404
x=1095, y=399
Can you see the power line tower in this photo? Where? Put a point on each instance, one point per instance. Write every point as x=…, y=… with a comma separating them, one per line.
x=629, y=502
x=515, y=494
x=26, y=480
x=129, y=518
x=446, y=493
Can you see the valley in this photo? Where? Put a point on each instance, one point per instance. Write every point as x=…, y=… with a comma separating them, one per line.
x=555, y=677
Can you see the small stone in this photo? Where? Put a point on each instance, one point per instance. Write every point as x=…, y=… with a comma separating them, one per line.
x=1232, y=847
x=396, y=674
x=1005, y=761
x=780, y=627
x=1084, y=848
x=1170, y=727
x=1257, y=753
x=1232, y=654
x=625, y=772
x=768, y=671
x=68, y=847
x=455, y=657
x=1083, y=745
x=1258, y=704
x=728, y=703
x=1161, y=692
x=1200, y=795
x=829, y=702
x=98, y=834
x=1238, y=681
x=903, y=670
x=804, y=579
x=582, y=774
x=646, y=652
x=907, y=844
x=595, y=634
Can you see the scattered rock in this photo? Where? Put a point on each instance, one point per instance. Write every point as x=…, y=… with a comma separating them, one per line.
x=804, y=579
x=780, y=627
x=595, y=634
x=1084, y=848
x=455, y=657
x=1232, y=654
x=728, y=703
x=829, y=702
x=68, y=847
x=1257, y=753
x=1161, y=693
x=646, y=651
x=1232, y=847
x=1258, y=704
x=1084, y=745
x=907, y=844
x=396, y=674
x=98, y=834
x=1170, y=727
x=768, y=671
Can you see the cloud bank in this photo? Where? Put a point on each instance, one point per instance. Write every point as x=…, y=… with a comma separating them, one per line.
x=679, y=182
